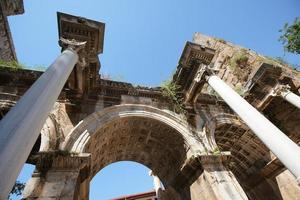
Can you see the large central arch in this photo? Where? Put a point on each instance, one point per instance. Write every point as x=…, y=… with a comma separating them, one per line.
x=158, y=139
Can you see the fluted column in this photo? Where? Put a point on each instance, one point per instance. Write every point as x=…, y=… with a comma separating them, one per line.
x=281, y=145
x=20, y=127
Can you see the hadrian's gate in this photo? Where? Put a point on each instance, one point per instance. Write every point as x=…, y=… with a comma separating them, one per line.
x=198, y=139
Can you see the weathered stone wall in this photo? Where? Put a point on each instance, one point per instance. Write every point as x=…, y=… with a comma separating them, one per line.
x=8, y=7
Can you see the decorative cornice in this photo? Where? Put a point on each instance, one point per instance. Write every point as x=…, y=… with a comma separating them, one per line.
x=195, y=53
x=60, y=160
x=80, y=29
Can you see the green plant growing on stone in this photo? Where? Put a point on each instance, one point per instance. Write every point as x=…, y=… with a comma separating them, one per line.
x=66, y=153
x=231, y=164
x=16, y=66
x=239, y=89
x=291, y=37
x=221, y=40
x=11, y=64
x=216, y=151
x=239, y=58
x=169, y=90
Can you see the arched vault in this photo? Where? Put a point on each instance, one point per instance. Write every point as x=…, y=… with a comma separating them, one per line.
x=159, y=139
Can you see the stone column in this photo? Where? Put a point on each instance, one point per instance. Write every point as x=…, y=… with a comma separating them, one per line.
x=284, y=92
x=59, y=176
x=282, y=146
x=157, y=185
x=20, y=127
x=216, y=182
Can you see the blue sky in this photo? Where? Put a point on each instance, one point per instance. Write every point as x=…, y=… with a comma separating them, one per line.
x=143, y=42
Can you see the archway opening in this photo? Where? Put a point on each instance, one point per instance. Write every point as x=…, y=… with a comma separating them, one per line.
x=122, y=178
x=144, y=140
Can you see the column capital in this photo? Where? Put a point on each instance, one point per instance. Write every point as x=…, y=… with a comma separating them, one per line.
x=75, y=46
x=280, y=90
x=204, y=71
x=72, y=44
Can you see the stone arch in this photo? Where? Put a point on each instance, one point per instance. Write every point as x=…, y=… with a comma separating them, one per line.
x=7, y=101
x=248, y=152
x=216, y=122
x=159, y=139
x=79, y=135
x=248, y=157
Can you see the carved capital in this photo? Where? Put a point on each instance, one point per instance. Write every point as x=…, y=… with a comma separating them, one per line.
x=78, y=47
x=204, y=71
x=280, y=90
x=72, y=44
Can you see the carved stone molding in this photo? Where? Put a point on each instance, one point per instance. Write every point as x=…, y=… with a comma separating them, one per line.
x=60, y=160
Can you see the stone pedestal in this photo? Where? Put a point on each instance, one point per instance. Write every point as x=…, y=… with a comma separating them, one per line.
x=59, y=177
x=216, y=182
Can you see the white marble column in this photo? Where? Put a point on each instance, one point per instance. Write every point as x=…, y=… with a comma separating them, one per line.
x=282, y=146
x=292, y=98
x=284, y=92
x=20, y=127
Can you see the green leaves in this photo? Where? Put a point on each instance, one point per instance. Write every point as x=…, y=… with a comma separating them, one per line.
x=12, y=64
x=17, y=189
x=291, y=37
x=169, y=90
x=16, y=66
x=239, y=58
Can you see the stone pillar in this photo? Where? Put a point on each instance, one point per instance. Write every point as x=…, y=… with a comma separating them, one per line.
x=59, y=177
x=216, y=182
x=20, y=127
x=157, y=185
x=281, y=145
x=284, y=92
